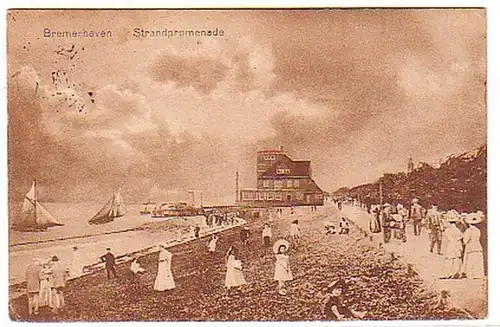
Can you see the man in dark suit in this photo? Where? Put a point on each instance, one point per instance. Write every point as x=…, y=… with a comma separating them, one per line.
x=109, y=260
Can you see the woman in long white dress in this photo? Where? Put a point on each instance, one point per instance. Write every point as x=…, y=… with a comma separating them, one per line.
x=453, y=248
x=76, y=264
x=473, y=265
x=234, y=270
x=164, y=279
x=45, y=295
x=282, y=271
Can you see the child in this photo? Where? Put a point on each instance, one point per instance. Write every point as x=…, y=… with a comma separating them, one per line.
x=295, y=233
x=330, y=228
x=212, y=244
x=266, y=235
x=234, y=273
x=333, y=305
x=282, y=271
x=344, y=226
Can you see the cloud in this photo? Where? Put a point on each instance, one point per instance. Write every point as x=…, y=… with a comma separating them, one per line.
x=200, y=72
x=349, y=90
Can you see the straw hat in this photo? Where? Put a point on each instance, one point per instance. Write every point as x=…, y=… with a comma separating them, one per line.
x=386, y=205
x=414, y=200
x=280, y=243
x=339, y=283
x=473, y=219
x=452, y=216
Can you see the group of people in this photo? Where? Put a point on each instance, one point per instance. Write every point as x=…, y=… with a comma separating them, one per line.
x=462, y=248
x=45, y=282
x=214, y=217
x=343, y=227
x=282, y=273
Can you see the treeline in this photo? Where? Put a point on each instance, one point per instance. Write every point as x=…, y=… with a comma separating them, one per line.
x=458, y=183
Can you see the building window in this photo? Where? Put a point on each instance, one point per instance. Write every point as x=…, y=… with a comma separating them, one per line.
x=289, y=183
x=277, y=196
x=266, y=183
x=270, y=196
x=270, y=158
x=296, y=183
x=246, y=195
x=256, y=196
x=299, y=196
x=278, y=183
x=319, y=196
x=261, y=196
x=283, y=171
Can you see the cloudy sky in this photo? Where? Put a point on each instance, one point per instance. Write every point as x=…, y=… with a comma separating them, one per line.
x=355, y=92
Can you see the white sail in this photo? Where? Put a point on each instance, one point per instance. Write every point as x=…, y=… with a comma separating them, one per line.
x=29, y=200
x=34, y=215
x=45, y=218
x=118, y=205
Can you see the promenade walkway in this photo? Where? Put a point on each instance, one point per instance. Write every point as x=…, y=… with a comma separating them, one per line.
x=469, y=294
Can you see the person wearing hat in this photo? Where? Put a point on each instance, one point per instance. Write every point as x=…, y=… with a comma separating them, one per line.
x=109, y=263
x=333, y=305
x=76, y=265
x=33, y=272
x=375, y=219
x=295, y=233
x=59, y=275
x=417, y=213
x=386, y=222
x=473, y=265
x=435, y=226
x=452, y=249
x=45, y=294
x=164, y=278
x=282, y=271
x=245, y=235
x=234, y=270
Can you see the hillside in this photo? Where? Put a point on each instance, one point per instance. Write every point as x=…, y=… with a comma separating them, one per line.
x=458, y=183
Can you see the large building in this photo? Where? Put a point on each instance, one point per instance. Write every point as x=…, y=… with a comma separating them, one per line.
x=282, y=181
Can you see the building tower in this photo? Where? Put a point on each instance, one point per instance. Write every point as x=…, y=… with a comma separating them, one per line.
x=411, y=166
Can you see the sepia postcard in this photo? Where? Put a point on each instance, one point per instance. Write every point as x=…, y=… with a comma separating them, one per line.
x=247, y=165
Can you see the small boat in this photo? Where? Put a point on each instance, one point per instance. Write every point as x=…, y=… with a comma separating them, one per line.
x=34, y=216
x=148, y=207
x=114, y=208
x=174, y=209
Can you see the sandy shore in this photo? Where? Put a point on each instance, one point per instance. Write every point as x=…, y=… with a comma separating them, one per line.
x=90, y=248
x=377, y=282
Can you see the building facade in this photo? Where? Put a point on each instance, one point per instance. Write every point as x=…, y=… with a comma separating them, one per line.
x=282, y=181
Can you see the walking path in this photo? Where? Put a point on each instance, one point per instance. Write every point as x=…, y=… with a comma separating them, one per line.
x=469, y=294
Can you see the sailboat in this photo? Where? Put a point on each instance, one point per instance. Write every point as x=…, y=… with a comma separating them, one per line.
x=114, y=208
x=34, y=216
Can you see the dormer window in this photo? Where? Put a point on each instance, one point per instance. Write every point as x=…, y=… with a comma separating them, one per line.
x=269, y=157
x=282, y=171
